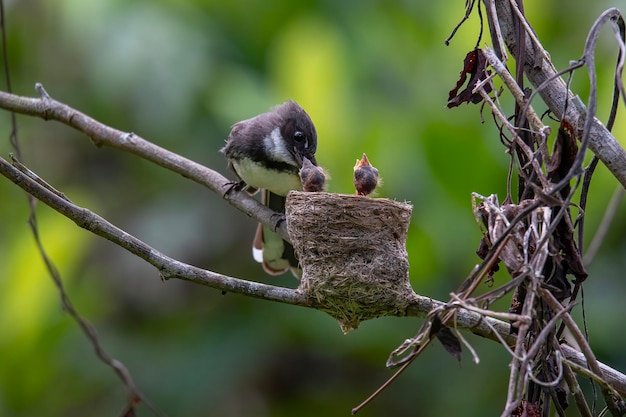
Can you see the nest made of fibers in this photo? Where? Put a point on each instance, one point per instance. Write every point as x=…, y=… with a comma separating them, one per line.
x=352, y=250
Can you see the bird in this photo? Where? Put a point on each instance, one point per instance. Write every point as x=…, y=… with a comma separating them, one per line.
x=365, y=177
x=266, y=153
x=313, y=177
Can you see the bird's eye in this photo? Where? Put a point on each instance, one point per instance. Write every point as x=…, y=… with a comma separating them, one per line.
x=298, y=136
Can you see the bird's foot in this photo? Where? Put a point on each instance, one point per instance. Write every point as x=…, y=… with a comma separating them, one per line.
x=278, y=218
x=231, y=186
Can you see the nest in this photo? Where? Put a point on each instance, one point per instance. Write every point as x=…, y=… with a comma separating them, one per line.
x=352, y=251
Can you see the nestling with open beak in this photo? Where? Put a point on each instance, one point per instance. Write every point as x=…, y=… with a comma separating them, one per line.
x=365, y=177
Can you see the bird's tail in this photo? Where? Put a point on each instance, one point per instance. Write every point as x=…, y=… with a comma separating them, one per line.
x=276, y=255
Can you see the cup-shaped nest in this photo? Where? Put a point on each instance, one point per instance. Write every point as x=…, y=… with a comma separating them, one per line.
x=352, y=250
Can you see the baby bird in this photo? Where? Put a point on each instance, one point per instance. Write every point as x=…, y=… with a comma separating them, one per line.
x=365, y=177
x=312, y=177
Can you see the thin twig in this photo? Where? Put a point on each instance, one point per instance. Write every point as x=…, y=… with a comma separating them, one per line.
x=600, y=380
x=487, y=313
x=615, y=406
x=496, y=33
x=469, y=6
x=518, y=374
x=575, y=390
x=516, y=91
x=548, y=384
x=516, y=138
x=392, y=378
x=605, y=225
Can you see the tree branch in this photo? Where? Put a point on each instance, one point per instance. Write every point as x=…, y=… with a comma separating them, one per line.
x=168, y=267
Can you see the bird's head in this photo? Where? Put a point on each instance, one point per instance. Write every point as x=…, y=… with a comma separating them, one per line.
x=298, y=132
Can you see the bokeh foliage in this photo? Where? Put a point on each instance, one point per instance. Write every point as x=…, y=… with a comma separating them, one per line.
x=374, y=76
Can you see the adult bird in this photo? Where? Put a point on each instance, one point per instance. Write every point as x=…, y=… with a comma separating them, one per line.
x=266, y=153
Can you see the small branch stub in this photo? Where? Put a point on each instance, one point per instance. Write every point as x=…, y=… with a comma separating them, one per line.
x=352, y=250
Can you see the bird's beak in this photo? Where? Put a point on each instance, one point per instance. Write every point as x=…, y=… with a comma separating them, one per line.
x=311, y=158
x=363, y=162
x=298, y=157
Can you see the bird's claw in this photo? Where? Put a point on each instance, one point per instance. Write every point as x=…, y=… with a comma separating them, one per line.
x=278, y=218
x=233, y=185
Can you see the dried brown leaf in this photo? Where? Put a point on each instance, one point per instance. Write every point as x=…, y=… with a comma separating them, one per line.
x=474, y=66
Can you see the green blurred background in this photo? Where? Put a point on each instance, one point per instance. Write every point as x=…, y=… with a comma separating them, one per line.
x=374, y=76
